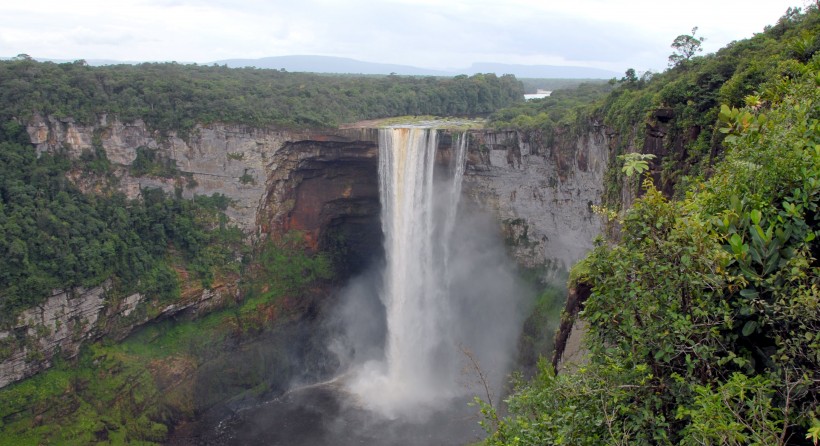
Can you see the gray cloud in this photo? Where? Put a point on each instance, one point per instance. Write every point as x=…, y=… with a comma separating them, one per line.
x=614, y=34
x=85, y=36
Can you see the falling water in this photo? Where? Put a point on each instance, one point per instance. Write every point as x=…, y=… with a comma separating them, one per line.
x=419, y=219
x=400, y=330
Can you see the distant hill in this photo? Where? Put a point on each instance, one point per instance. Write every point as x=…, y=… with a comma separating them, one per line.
x=344, y=65
x=329, y=64
x=541, y=71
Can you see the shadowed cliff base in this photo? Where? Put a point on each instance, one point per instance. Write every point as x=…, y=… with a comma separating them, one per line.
x=326, y=415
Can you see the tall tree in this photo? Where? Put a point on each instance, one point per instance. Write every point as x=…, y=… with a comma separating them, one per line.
x=685, y=46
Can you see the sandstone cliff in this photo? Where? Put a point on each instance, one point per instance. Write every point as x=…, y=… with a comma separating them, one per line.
x=324, y=184
x=542, y=193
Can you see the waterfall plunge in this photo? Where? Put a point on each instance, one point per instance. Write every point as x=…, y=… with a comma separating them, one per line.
x=447, y=283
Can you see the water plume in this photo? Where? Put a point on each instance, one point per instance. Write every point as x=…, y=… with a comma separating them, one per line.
x=446, y=285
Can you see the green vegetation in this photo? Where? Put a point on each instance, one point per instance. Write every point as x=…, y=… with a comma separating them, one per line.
x=448, y=122
x=635, y=163
x=536, y=339
x=282, y=268
x=105, y=398
x=562, y=107
x=531, y=85
x=176, y=97
x=131, y=392
x=704, y=315
x=689, y=97
x=54, y=236
x=684, y=47
x=149, y=163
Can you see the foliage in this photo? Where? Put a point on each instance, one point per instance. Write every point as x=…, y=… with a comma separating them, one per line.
x=635, y=163
x=592, y=406
x=106, y=398
x=547, y=114
x=247, y=178
x=53, y=236
x=536, y=340
x=149, y=163
x=284, y=268
x=174, y=97
x=130, y=392
x=630, y=77
x=690, y=96
x=704, y=318
x=532, y=85
x=739, y=412
x=685, y=46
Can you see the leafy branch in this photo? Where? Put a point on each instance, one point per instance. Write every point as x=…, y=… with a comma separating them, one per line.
x=635, y=163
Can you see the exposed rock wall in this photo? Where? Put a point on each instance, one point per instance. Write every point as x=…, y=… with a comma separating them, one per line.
x=62, y=322
x=542, y=192
x=233, y=160
x=68, y=318
x=324, y=184
x=329, y=191
x=278, y=180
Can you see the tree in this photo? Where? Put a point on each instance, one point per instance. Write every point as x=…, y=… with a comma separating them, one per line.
x=685, y=46
x=630, y=77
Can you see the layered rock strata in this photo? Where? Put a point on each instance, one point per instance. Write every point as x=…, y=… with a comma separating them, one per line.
x=323, y=184
x=543, y=193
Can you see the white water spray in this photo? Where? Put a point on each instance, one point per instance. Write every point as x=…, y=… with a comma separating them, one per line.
x=434, y=294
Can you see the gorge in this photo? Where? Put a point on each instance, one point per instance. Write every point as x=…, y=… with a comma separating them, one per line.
x=200, y=255
x=417, y=331
x=324, y=186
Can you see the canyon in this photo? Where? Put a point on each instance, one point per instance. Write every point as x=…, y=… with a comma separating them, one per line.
x=321, y=183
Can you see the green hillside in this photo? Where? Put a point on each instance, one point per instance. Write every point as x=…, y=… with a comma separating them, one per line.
x=702, y=312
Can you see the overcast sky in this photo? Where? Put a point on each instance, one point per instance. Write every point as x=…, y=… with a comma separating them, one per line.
x=609, y=34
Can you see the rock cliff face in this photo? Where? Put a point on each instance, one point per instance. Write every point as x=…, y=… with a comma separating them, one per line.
x=324, y=184
x=328, y=190
x=233, y=160
x=542, y=193
x=62, y=322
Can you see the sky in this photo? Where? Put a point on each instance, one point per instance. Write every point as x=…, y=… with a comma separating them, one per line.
x=439, y=34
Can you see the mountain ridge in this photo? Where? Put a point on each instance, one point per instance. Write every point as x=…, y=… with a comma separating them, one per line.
x=345, y=65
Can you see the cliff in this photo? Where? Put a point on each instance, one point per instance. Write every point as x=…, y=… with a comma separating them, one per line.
x=542, y=193
x=323, y=184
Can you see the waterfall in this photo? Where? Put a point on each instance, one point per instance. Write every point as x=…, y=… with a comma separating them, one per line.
x=444, y=281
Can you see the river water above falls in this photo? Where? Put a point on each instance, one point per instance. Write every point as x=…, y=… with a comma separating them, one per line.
x=411, y=334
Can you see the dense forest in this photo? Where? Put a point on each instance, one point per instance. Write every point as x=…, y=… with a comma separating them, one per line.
x=54, y=236
x=562, y=107
x=703, y=310
x=170, y=96
x=532, y=85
